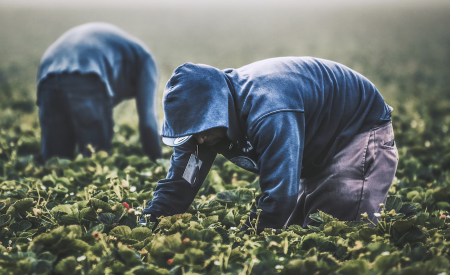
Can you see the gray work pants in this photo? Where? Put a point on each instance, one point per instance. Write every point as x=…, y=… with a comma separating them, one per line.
x=356, y=180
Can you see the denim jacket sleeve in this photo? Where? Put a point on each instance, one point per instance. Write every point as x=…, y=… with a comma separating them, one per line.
x=279, y=141
x=174, y=194
x=146, y=85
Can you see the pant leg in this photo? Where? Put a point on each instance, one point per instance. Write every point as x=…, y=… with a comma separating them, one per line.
x=357, y=179
x=91, y=112
x=380, y=166
x=57, y=133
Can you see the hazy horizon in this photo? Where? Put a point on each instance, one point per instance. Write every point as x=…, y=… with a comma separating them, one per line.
x=259, y=3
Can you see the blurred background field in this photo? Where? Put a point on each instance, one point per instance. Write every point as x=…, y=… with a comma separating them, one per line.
x=403, y=47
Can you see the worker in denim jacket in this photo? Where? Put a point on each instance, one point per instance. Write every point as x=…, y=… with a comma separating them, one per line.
x=90, y=69
x=317, y=133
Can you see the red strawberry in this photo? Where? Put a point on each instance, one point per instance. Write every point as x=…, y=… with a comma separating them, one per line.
x=442, y=216
x=170, y=261
x=126, y=205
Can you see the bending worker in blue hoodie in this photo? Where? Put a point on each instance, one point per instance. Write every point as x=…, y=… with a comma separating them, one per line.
x=90, y=69
x=317, y=133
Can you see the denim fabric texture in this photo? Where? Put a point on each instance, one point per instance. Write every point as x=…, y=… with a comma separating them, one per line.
x=289, y=116
x=74, y=110
x=123, y=64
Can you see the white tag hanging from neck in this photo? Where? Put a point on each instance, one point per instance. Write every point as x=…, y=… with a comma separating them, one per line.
x=192, y=170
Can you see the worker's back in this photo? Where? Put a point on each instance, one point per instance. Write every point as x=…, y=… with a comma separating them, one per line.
x=102, y=49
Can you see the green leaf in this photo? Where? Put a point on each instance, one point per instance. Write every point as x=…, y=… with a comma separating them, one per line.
x=24, y=204
x=119, y=210
x=106, y=218
x=436, y=265
x=178, y=226
x=163, y=248
x=129, y=241
x=383, y=263
x=129, y=221
x=314, y=228
x=20, y=226
x=406, y=250
x=422, y=218
x=412, y=194
x=226, y=196
x=195, y=256
x=355, y=267
x=48, y=180
x=71, y=232
x=98, y=228
x=49, y=238
x=42, y=267
x=145, y=196
x=138, y=246
x=316, y=217
x=88, y=213
x=47, y=256
x=26, y=234
x=223, y=233
x=410, y=209
x=78, y=245
x=443, y=205
x=121, y=232
x=393, y=203
x=21, y=206
x=4, y=220
x=228, y=220
x=24, y=226
x=366, y=233
x=434, y=222
x=129, y=257
x=215, y=181
x=141, y=233
x=210, y=220
x=66, y=266
x=21, y=240
x=377, y=248
x=297, y=229
x=335, y=228
x=414, y=234
x=209, y=236
x=244, y=195
x=72, y=214
x=206, y=235
x=61, y=208
x=185, y=217
x=99, y=204
x=401, y=226
x=308, y=244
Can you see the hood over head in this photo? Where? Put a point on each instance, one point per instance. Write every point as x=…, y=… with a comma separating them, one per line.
x=196, y=98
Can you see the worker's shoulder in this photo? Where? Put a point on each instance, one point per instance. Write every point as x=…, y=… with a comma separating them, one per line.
x=101, y=34
x=297, y=63
x=282, y=66
x=97, y=28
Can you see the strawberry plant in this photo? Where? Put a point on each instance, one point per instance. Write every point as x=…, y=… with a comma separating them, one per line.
x=82, y=217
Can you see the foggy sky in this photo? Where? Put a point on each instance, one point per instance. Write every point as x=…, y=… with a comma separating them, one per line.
x=149, y=3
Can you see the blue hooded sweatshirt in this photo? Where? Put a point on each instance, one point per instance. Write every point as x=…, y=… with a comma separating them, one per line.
x=285, y=118
x=123, y=63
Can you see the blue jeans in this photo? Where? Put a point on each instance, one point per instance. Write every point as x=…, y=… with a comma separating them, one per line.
x=74, y=111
